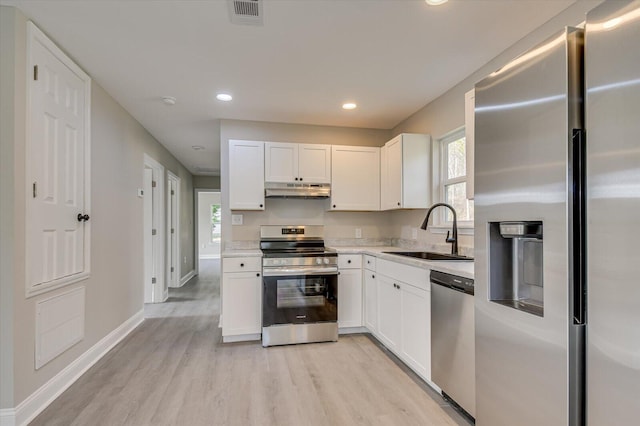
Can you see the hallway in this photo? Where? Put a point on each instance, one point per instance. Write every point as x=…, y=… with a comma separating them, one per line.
x=173, y=370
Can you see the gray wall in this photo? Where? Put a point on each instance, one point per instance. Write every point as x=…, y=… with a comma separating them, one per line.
x=447, y=113
x=310, y=212
x=206, y=182
x=114, y=292
x=8, y=78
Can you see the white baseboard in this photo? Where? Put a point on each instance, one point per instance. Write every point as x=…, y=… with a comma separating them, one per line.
x=7, y=417
x=35, y=403
x=352, y=330
x=241, y=338
x=186, y=278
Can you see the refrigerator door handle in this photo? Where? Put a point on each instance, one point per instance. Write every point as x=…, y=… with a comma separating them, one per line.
x=578, y=226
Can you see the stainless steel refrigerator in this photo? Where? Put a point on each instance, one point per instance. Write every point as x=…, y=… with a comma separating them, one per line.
x=557, y=229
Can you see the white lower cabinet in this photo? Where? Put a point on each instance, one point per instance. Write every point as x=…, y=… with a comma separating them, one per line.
x=415, y=323
x=371, y=301
x=350, y=291
x=241, y=301
x=404, y=313
x=389, y=312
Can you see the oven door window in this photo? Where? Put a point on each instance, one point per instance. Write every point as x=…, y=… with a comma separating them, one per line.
x=299, y=299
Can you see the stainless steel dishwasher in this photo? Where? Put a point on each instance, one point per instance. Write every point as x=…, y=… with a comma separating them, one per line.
x=453, y=339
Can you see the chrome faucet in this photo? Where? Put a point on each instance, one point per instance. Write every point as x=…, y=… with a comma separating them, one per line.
x=454, y=238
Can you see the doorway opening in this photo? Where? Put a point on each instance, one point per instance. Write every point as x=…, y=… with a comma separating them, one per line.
x=209, y=224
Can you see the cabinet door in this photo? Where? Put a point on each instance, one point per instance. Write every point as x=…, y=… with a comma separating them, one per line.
x=355, y=178
x=350, y=298
x=246, y=175
x=469, y=131
x=371, y=301
x=241, y=303
x=394, y=173
x=314, y=163
x=388, y=312
x=281, y=162
x=415, y=322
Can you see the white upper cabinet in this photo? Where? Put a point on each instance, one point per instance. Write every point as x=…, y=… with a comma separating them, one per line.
x=469, y=130
x=406, y=172
x=297, y=163
x=355, y=178
x=246, y=175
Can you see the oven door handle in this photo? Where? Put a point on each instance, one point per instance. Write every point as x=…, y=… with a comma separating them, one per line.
x=286, y=272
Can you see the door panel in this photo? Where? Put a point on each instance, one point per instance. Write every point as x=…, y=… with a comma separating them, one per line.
x=57, y=148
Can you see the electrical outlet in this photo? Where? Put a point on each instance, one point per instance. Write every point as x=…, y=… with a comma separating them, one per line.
x=236, y=219
x=358, y=233
x=414, y=233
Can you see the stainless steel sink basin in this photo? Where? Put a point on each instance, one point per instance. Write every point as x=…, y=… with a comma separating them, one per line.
x=429, y=255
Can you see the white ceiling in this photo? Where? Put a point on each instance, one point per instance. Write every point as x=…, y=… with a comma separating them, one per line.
x=390, y=56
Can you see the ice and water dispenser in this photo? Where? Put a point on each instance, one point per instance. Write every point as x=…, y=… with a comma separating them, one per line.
x=515, y=264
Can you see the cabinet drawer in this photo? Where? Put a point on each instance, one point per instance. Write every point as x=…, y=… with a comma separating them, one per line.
x=369, y=262
x=242, y=264
x=417, y=277
x=349, y=261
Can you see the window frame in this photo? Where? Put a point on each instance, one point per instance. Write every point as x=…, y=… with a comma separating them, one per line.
x=440, y=179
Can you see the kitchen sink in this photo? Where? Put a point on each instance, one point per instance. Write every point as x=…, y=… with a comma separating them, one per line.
x=429, y=255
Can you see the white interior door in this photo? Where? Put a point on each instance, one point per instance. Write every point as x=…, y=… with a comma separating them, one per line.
x=57, y=249
x=148, y=229
x=173, y=254
x=155, y=252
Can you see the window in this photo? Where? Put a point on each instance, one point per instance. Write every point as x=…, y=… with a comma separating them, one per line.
x=453, y=177
x=216, y=213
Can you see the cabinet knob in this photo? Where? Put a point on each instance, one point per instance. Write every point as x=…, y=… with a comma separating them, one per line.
x=334, y=206
x=300, y=179
x=242, y=265
x=398, y=286
x=398, y=203
x=260, y=205
x=373, y=276
x=258, y=274
x=349, y=261
x=296, y=178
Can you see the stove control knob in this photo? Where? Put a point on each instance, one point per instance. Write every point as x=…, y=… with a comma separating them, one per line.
x=319, y=261
x=326, y=260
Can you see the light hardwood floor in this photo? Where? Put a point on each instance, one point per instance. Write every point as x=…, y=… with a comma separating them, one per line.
x=174, y=370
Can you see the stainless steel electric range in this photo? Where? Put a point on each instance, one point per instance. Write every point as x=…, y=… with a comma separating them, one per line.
x=300, y=286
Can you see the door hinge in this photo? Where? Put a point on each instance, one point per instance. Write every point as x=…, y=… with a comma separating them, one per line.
x=153, y=183
x=154, y=232
x=172, y=269
x=35, y=189
x=35, y=73
x=153, y=280
x=173, y=192
x=173, y=230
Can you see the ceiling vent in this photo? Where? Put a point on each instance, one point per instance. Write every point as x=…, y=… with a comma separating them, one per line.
x=245, y=12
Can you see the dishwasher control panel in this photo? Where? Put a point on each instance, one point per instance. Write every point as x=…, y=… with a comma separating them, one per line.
x=454, y=282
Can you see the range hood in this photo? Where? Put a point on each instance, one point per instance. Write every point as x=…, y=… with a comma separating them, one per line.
x=297, y=190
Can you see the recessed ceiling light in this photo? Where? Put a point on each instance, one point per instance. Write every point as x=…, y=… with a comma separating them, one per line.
x=349, y=105
x=197, y=147
x=225, y=97
x=169, y=100
x=435, y=2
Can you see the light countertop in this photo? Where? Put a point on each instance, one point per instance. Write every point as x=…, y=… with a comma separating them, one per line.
x=460, y=268
x=242, y=253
